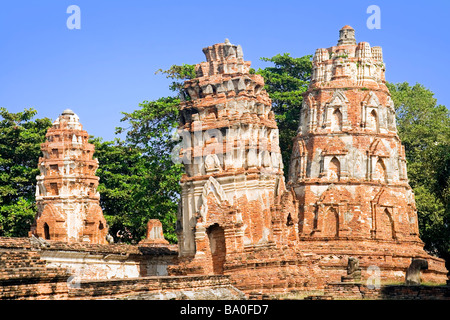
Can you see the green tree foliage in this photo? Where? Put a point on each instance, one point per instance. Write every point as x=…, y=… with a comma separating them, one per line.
x=183, y=72
x=20, y=140
x=424, y=128
x=136, y=184
x=120, y=173
x=16, y=218
x=285, y=82
x=151, y=132
x=138, y=179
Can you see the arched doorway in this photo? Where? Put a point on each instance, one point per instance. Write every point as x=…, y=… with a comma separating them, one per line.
x=216, y=236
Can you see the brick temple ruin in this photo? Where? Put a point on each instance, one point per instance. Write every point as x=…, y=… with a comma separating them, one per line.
x=347, y=192
x=241, y=227
x=348, y=166
x=66, y=193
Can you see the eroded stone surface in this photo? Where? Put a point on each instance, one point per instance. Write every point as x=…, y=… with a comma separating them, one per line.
x=155, y=235
x=413, y=272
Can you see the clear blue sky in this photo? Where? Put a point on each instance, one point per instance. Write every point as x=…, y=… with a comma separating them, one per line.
x=108, y=66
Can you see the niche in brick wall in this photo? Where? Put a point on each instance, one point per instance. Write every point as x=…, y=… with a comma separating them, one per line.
x=216, y=236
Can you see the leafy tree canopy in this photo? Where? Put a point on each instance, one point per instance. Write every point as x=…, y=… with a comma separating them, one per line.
x=20, y=138
x=424, y=128
x=285, y=82
x=138, y=179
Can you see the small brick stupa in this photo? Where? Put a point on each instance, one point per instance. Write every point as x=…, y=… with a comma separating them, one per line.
x=66, y=192
x=155, y=235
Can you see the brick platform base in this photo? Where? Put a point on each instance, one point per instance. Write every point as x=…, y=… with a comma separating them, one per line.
x=157, y=288
x=342, y=290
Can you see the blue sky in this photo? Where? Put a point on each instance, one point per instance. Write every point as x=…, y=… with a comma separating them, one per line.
x=108, y=66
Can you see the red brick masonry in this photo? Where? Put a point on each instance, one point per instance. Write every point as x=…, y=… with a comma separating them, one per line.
x=347, y=192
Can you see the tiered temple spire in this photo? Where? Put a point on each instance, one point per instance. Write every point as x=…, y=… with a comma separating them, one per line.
x=66, y=191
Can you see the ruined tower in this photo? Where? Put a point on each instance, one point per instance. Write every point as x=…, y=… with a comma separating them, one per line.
x=348, y=166
x=232, y=160
x=66, y=191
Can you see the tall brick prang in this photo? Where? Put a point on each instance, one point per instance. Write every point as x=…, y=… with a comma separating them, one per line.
x=348, y=166
x=66, y=191
x=235, y=213
x=231, y=153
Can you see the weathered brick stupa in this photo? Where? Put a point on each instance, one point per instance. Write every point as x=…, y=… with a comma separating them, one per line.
x=66, y=191
x=348, y=167
x=235, y=213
